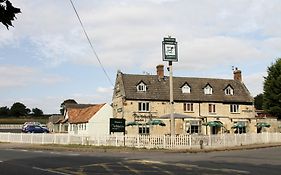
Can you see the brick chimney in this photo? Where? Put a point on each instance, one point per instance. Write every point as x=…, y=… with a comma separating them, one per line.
x=160, y=70
x=237, y=74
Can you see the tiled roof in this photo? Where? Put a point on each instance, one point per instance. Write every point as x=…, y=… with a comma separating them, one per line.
x=158, y=89
x=82, y=114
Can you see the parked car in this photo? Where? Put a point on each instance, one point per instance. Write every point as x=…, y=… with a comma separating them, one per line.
x=35, y=129
x=30, y=123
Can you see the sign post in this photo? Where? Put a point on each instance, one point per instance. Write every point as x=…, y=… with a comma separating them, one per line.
x=170, y=54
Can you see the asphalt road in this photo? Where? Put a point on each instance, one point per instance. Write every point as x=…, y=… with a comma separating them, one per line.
x=31, y=162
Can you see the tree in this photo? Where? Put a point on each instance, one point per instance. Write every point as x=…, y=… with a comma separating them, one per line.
x=258, y=101
x=37, y=112
x=7, y=13
x=19, y=109
x=4, y=111
x=64, y=103
x=272, y=89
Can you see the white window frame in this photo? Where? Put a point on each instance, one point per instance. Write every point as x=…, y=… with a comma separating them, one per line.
x=234, y=108
x=144, y=129
x=141, y=87
x=143, y=106
x=229, y=91
x=186, y=89
x=188, y=107
x=193, y=127
x=208, y=90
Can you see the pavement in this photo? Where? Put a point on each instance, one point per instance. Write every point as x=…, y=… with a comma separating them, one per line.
x=82, y=148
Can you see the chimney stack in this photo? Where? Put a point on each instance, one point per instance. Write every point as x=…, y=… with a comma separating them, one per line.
x=237, y=74
x=160, y=71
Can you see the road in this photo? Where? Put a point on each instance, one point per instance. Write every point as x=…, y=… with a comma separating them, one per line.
x=34, y=162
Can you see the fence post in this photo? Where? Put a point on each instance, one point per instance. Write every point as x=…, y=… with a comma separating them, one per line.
x=138, y=141
x=31, y=138
x=164, y=141
x=42, y=141
x=189, y=140
x=224, y=139
x=21, y=139
x=68, y=138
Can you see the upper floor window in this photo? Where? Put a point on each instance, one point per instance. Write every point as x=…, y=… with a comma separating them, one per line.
x=234, y=108
x=208, y=89
x=141, y=87
x=186, y=88
x=143, y=106
x=188, y=107
x=212, y=108
x=229, y=90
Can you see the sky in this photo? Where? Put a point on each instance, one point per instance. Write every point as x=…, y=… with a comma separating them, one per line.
x=45, y=58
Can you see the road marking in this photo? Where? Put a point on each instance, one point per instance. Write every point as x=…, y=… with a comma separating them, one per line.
x=1, y=161
x=50, y=171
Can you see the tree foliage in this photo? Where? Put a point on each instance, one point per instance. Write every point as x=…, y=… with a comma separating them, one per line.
x=4, y=111
x=19, y=109
x=65, y=102
x=258, y=101
x=7, y=13
x=272, y=89
x=37, y=112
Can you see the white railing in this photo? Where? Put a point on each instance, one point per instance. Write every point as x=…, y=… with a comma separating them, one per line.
x=147, y=141
x=10, y=126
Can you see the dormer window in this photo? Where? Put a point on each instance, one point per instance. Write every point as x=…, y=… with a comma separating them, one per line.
x=185, y=88
x=141, y=87
x=228, y=90
x=208, y=90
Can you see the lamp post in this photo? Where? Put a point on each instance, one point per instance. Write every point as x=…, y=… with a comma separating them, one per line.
x=170, y=54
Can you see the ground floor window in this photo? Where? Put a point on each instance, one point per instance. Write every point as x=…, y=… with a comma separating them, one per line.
x=143, y=129
x=240, y=127
x=193, y=127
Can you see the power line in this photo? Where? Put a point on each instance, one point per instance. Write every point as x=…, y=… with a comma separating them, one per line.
x=89, y=41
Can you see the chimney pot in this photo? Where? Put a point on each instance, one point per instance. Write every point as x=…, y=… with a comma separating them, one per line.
x=160, y=70
x=237, y=75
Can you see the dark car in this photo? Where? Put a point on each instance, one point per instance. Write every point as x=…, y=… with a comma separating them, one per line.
x=35, y=129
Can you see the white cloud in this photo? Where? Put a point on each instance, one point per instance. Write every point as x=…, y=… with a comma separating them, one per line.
x=127, y=34
x=20, y=76
x=254, y=82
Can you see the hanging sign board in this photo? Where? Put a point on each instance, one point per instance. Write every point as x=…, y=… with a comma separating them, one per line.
x=170, y=49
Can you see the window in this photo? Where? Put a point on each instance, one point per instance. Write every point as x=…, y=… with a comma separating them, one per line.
x=143, y=129
x=141, y=87
x=186, y=89
x=234, y=108
x=208, y=90
x=193, y=127
x=144, y=106
x=212, y=108
x=228, y=91
x=188, y=107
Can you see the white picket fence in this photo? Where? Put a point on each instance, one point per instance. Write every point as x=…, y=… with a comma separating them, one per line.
x=10, y=126
x=147, y=141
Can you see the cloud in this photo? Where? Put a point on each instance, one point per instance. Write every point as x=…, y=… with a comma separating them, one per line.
x=21, y=76
x=254, y=82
